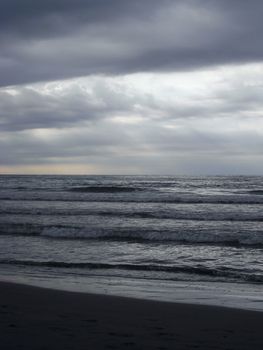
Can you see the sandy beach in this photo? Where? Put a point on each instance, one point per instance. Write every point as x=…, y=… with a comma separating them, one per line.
x=37, y=318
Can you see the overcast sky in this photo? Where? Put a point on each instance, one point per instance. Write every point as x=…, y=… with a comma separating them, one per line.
x=131, y=86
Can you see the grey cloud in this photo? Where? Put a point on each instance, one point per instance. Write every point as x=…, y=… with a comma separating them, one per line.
x=26, y=108
x=74, y=145
x=156, y=151
x=50, y=40
x=87, y=101
x=31, y=110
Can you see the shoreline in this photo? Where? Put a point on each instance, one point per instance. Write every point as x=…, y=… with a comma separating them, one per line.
x=218, y=294
x=41, y=318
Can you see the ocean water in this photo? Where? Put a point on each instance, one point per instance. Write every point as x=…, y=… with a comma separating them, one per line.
x=190, y=239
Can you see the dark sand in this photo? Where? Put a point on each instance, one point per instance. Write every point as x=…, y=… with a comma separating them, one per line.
x=35, y=318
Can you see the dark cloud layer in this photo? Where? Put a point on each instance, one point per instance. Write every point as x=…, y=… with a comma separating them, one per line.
x=31, y=18
x=47, y=40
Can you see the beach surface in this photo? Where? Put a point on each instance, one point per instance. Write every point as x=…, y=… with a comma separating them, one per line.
x=39, y=318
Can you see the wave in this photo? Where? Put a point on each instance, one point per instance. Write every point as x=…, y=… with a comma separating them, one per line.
x=105, y=196
x=256, y=192
x=176, y=236
x=104, y=189
x=194, y=237
x=199, y=270
x=143, y=214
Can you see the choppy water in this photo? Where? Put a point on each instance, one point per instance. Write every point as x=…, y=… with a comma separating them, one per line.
x=202, y=229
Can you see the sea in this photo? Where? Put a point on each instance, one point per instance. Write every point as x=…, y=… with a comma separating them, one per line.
x=169, y=238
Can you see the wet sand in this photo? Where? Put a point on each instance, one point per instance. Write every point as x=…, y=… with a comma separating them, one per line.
x=36, y=318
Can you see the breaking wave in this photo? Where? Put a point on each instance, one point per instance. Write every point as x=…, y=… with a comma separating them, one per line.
x=199, y=270
x=180, y=236
x=152, y=235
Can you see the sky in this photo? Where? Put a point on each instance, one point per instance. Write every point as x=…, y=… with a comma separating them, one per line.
x=131, y=87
